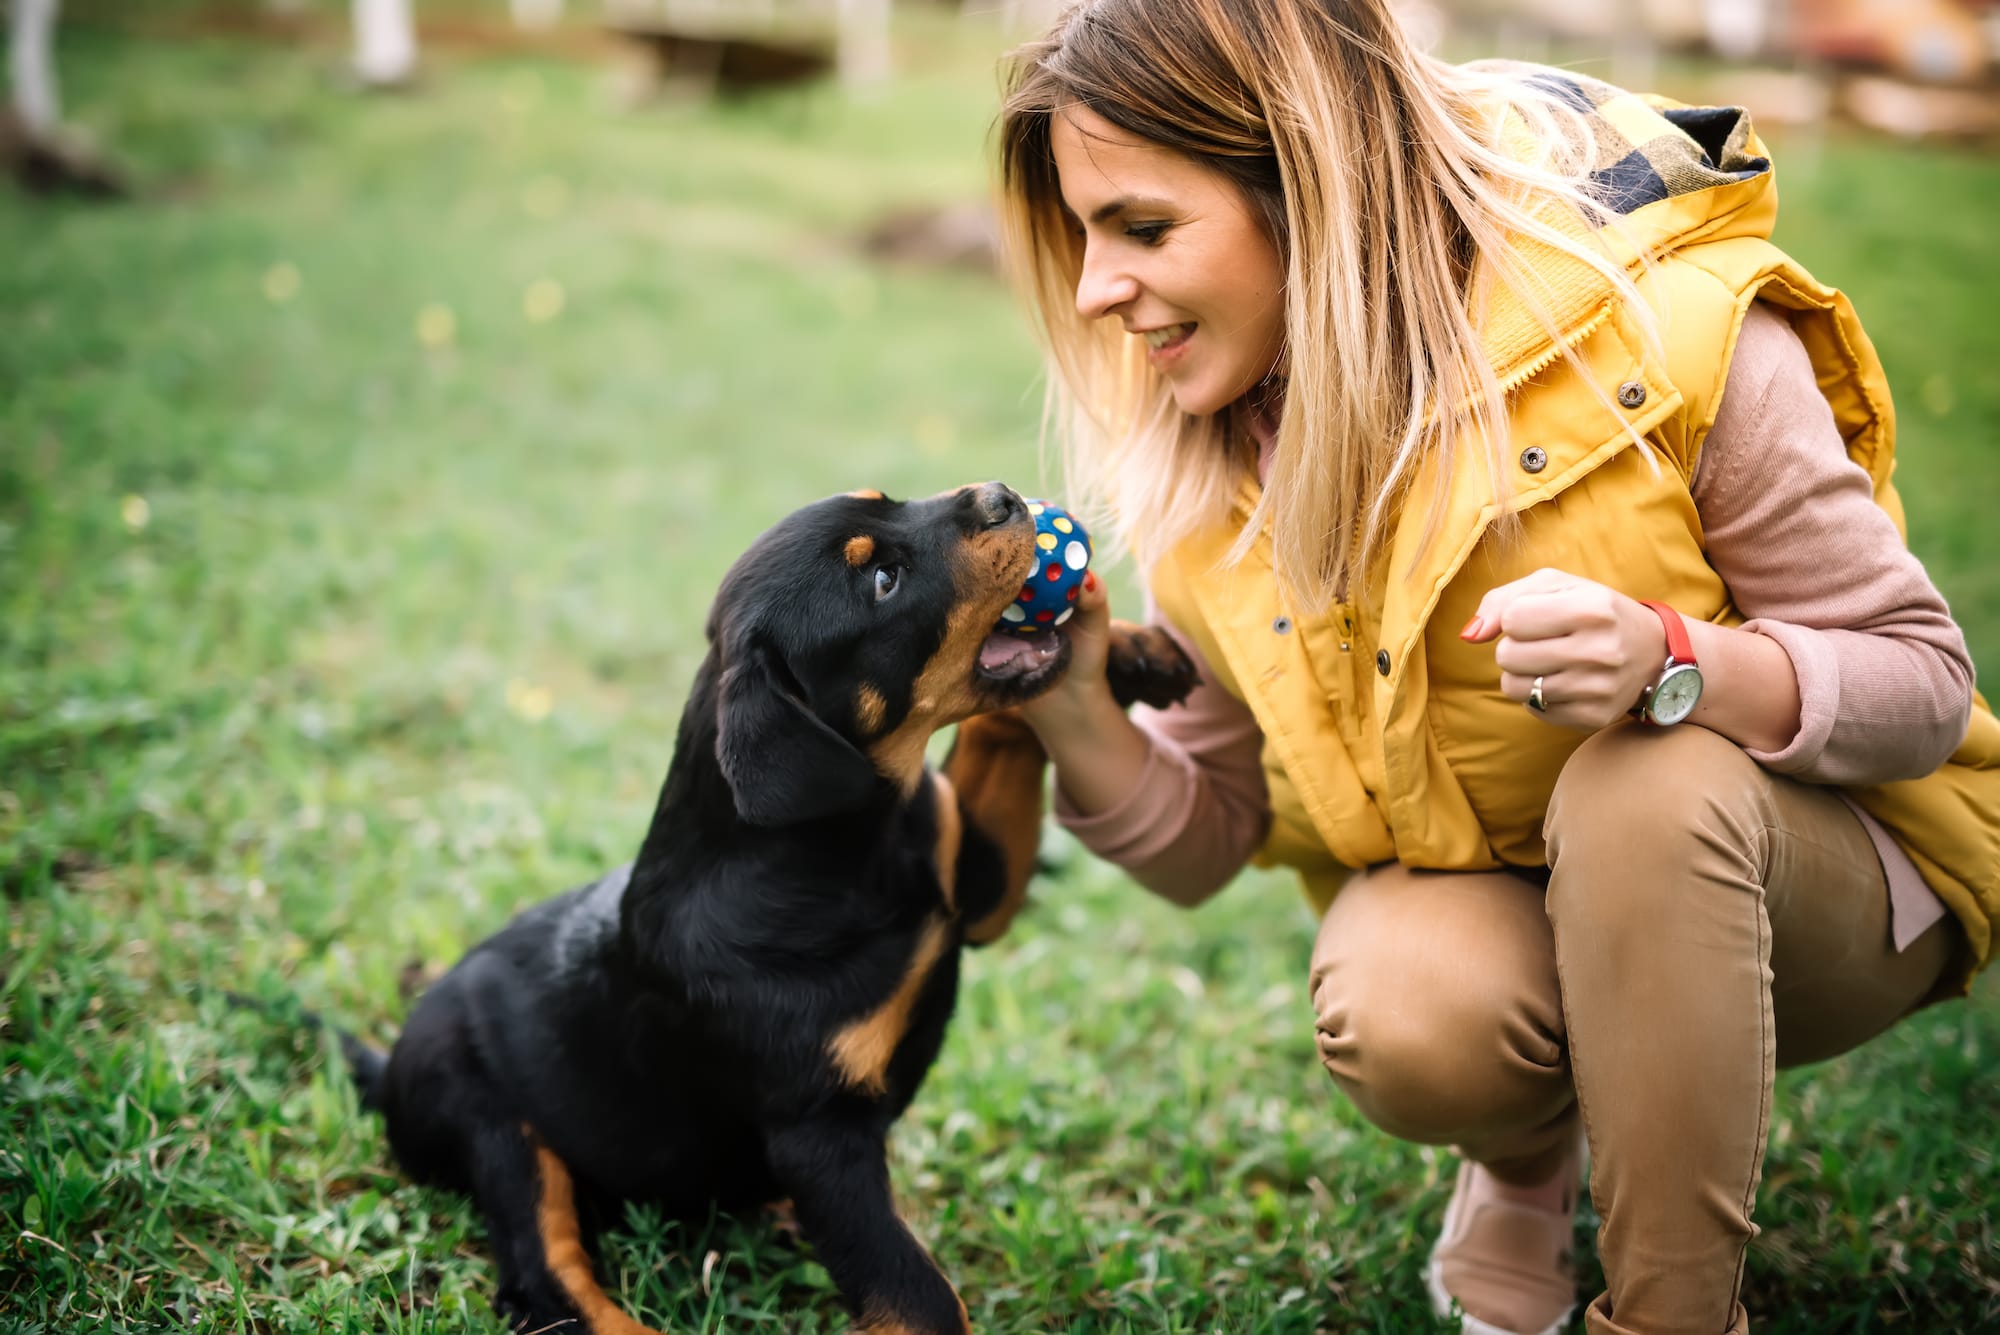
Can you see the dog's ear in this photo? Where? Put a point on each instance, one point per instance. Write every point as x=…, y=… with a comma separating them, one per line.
x=783, y=765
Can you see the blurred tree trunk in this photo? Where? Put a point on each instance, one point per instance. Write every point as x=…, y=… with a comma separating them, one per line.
x=385, y=43
x=34, y=147
x=32, y=63
x=864, y=42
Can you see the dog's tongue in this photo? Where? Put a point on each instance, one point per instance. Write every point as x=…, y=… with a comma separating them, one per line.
x=1005, y=653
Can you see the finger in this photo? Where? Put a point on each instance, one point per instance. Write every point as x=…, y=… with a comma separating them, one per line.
x=1088, y=627
x=1547, y=616
x=1555, y=705
x=1093, y=607
x=1557, y=687
x=1538, y=658
x=1583, y=607
x=1569, y=699
x=1092, y=595
x=1493, y=607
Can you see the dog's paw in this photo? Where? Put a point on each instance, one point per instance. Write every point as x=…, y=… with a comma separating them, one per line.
x=534, y=1307
x=521, y=1318
x=1146, y=666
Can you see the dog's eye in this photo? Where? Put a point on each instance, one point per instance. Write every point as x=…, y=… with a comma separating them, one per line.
x=886, y=579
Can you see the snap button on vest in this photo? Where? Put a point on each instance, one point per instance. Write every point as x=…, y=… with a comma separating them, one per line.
x=1283, y=625
x=1382, y=661
x=1534, y=459
x=1632, y=394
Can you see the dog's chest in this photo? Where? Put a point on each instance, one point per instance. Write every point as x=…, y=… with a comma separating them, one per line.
x=901, y=1022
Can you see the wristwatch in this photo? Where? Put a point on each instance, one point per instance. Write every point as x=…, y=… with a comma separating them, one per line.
x=1675, y=692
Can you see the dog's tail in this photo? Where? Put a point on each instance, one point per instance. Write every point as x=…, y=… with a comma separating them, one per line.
x=365, y=1062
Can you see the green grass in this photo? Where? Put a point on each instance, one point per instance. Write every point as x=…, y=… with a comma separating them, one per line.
x=397, y=640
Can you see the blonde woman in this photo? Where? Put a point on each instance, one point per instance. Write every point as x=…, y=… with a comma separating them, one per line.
x=1531, y=517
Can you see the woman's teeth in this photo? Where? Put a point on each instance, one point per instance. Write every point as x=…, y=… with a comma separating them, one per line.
x=1173, y=333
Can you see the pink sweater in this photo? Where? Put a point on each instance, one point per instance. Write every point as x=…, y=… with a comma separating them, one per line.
x=1790, y=523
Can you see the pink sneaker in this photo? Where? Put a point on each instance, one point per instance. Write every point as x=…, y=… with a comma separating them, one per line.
x=1506, y=1265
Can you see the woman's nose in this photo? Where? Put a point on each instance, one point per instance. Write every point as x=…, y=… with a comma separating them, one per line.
x=1102, y=288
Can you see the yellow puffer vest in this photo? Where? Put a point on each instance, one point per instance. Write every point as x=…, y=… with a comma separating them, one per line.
x=1414, y=755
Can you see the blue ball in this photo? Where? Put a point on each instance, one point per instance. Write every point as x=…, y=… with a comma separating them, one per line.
x=1062, y=555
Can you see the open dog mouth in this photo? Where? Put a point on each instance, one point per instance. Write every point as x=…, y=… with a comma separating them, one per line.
x=1020, y=666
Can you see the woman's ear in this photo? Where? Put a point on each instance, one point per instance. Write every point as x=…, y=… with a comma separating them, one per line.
x=783, y=765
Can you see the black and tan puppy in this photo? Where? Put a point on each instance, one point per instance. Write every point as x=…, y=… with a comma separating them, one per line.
x=737, y=1017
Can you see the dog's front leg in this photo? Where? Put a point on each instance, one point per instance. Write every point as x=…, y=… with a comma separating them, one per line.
x=995, y=770
x=837, y=1172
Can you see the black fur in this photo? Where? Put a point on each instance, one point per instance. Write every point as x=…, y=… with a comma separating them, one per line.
x=668, y=1032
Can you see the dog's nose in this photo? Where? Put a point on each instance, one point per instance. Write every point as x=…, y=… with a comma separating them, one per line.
x=997, y=504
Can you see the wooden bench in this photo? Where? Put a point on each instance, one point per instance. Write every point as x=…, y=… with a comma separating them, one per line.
x=709, y=60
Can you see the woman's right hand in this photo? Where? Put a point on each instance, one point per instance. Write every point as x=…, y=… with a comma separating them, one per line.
x=1099, y=754
x=1084, y=687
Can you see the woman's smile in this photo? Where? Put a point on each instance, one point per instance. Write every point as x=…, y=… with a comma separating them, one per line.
x=1165, y=345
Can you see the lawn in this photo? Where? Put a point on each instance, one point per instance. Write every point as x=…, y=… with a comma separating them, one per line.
x=362, y=488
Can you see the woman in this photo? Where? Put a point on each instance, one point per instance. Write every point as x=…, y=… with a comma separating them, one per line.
x=1457, y=415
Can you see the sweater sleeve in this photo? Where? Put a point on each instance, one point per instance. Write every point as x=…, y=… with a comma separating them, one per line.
x=1199, y=809
x=1791, y=525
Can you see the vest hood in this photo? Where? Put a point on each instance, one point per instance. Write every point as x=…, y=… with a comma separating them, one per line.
x=1666, y=174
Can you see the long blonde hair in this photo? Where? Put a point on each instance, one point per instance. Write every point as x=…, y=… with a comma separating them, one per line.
x=1381, y=177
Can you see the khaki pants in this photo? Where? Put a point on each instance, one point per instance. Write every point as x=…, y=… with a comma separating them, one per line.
x=1704, y=923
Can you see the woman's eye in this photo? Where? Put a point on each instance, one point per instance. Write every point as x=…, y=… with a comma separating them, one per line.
x=886, y=578
x=1147, y=233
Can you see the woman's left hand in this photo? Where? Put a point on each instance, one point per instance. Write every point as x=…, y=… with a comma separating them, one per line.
x=1594, y=649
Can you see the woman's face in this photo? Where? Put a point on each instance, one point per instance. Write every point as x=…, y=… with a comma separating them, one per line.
x=1174, y=254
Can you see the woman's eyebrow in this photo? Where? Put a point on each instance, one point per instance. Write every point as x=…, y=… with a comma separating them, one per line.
x=1137, y=204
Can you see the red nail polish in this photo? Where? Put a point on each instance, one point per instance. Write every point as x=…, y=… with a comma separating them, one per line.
x=1090, y=581
x=1471, y=629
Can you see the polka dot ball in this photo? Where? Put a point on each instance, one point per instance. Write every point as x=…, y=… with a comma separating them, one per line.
x=1062, y=555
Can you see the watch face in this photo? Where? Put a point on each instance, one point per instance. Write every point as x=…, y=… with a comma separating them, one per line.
x=1674, y=698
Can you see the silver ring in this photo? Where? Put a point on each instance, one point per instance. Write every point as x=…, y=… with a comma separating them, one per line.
x=1536, y=700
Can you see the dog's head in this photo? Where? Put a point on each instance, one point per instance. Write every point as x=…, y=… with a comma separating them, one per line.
x=854, y=629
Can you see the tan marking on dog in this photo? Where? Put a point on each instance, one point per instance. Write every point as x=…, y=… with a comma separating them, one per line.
x=860, y=550
x=991, y=569
x=866, y=494
x=943, y=693
x=862, y=1049
x=562, y=1251
x=951, y=835
x=875, y=1322
x=996, y=768
x=869, y=708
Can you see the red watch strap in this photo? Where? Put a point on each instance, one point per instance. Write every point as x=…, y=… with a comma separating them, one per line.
x=1679, y=647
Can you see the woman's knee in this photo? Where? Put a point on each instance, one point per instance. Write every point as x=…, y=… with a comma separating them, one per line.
x=1450, y=1033
x=1647, y=831
x=1413, y=1082
x=1631, y=796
